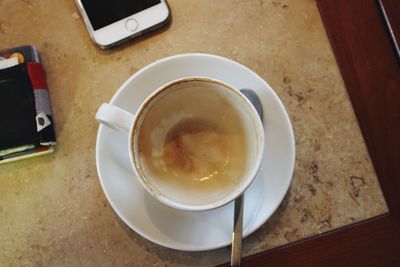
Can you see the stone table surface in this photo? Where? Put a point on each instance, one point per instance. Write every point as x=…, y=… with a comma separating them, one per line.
x=52, y=209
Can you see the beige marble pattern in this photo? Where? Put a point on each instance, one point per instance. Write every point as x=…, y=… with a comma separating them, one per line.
x=52, y=209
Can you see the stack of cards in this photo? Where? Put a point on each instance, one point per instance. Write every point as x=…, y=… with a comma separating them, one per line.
x=26, y=121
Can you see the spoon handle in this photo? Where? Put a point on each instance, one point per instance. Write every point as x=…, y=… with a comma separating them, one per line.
x=236, y=254
x=237, y=234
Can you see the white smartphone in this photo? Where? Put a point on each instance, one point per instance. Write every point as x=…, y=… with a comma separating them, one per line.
x=111, y=22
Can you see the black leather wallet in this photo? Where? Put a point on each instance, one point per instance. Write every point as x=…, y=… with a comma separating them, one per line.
x=26, y=120
x=17, y=109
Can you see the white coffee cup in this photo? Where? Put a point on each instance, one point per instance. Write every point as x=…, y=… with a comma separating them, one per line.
x=121, y=120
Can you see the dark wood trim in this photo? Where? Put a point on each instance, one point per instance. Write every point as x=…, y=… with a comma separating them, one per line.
x=371, y=72
x=390, y=10
x=369, y=243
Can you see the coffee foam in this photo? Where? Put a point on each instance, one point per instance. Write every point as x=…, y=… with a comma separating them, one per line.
x=195, y=143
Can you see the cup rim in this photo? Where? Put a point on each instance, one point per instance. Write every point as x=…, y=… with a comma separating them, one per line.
x=259, y=128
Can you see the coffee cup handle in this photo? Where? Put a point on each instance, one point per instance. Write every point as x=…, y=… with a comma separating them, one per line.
x=114, y=117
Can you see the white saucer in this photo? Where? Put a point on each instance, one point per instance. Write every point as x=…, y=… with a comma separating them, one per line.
x=184, y=230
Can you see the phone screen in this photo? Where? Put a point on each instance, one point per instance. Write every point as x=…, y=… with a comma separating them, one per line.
x=104, y=12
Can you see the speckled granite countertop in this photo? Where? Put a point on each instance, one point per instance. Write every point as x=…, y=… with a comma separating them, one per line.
x=52, y=209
